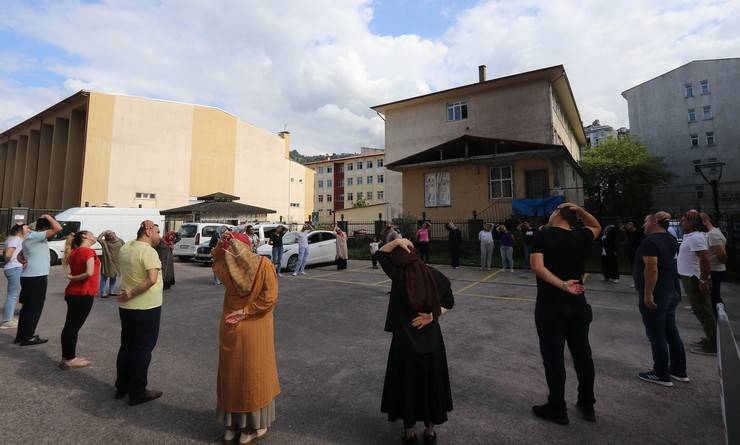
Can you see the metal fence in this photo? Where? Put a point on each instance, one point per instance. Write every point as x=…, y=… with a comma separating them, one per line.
x=33, y=214
x=728, y=361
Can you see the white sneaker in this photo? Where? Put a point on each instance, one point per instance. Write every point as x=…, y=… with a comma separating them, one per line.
x=615, y=281
x=10, y=324
x=295, y=274
x=303, y=273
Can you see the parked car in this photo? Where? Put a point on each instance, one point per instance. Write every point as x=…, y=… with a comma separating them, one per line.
x=194, y=235
x=264, y=230
x=322, y=249
x=203, y=255
x=361, y=233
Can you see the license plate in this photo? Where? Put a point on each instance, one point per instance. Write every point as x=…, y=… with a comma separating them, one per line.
x=183, y=246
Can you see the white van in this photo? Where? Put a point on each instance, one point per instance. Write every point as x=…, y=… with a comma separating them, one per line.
x=194, y=235
x=124, y=221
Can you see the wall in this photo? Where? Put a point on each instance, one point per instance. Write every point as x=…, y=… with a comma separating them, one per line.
x=364, y=214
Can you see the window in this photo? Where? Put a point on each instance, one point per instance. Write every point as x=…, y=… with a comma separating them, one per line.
x=437, y=189
x=340, y=168
x=369, y=179
x=321, y=183
x=140, y=195
x=328, y=182
x=321, y=170
x=328, y=198
x=379, y=163
x=707, y=112
x=350, y=167
x=692, y=115
x=699, y=192
x=704, y=86
x=689, y=90
x=321, y=198
x=340, y=183
x=380, y=194
x=349, y=181
x=327, y=236
x=359, y=165
x=369, y=196
x=350, y=197
x=502, y=183
x=380, y=179
x=300, y=181
x=359, y=195
x=694, y=140
x=340, y=198
x=328, y=169
x=359, y=180
x=457, y=111
x=295, y=204
x=369, y=164
x=292, y=179
x=710, y=138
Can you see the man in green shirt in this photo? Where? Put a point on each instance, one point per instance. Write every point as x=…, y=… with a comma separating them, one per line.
x=140, y=304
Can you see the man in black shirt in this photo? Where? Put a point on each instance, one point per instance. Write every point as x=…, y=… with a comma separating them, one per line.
x=657, y=283
x=561, y=314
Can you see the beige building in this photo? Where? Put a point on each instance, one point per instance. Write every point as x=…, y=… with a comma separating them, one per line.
x=341, y=183
x=478, y=147
x=105, y=149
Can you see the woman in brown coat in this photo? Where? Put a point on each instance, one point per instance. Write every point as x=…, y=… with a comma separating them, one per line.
x=247, y=372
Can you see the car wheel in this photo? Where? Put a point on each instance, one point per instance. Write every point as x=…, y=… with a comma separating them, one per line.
x=184, y=259
x=292, y=263
x=53, y=257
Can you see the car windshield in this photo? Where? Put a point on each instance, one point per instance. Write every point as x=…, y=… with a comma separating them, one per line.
x=67, y=228
x=188, y=231
x=209, y=231
x=290, y=238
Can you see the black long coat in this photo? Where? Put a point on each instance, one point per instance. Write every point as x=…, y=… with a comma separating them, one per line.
x=417, y=382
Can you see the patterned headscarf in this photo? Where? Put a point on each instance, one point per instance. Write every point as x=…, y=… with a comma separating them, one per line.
x=170, y=239
x=241, y=263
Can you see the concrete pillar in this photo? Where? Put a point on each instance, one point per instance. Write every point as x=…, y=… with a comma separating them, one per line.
x=8, y=175
x=20, y=169
x=44, y=165
x=3, y=155
x=73, y=164
x=32, y=160
x=57, y=163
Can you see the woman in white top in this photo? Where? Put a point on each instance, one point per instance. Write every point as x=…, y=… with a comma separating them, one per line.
x=717, y=259
x=13, y=269
x=302, y=238
x=485, y=237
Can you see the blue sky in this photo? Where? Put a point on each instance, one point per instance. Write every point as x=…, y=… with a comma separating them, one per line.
x=426, y=18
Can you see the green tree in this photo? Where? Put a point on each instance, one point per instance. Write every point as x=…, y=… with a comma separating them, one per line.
x=619, y=176
x=359, y=202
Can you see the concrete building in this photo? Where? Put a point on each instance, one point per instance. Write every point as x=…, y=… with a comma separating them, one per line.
x=340, y=183
x=105, y=149
x=597, y=133
x=689, y=116
x=478, y=147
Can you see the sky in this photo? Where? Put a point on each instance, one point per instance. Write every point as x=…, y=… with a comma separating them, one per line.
x=314, y=68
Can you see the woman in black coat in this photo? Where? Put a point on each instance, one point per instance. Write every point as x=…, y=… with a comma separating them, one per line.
x=417, y=383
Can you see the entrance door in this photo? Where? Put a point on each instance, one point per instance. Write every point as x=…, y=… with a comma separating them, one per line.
x=536, y=184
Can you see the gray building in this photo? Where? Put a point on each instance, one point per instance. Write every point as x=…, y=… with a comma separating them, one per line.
x=597, y=133
x=691, y=116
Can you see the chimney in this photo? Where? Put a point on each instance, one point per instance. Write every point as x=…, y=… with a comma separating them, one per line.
x=481, y=73
x=286, y=137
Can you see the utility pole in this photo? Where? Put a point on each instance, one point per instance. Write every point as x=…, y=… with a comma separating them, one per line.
x=714, y=169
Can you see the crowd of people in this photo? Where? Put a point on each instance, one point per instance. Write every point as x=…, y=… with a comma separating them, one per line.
x=416, y=386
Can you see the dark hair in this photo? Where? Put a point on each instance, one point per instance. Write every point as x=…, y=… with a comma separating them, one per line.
x=568, y=215
x=16, y=230
x=43, y=224
x=74, y=240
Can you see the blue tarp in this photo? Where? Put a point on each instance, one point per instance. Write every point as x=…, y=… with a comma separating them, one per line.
x=536, y=206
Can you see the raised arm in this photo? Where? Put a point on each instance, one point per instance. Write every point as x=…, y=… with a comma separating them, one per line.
x=55, y=226
x=588, y=219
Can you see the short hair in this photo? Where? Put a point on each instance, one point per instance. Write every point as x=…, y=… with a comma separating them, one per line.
x=568, y=215
x=662, y=218
x=16, y=230
x=43, y=224
x=694, y=219
x=142, y=231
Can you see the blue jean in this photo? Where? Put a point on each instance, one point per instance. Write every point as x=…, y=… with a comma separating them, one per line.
x=109, y=281
x=302, y=259
x=669, y=356
x=507, y=257
x=277, y=257
x=14, y=289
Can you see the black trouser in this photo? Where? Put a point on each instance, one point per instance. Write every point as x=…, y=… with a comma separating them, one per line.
x=669, y=356
x=78, y=308
x=717, y=278
x=32, y=297
x=139, y=333
x=375, y=261
x=609, y=266
x=455, y=256
x=423, y=251
x=557, y=324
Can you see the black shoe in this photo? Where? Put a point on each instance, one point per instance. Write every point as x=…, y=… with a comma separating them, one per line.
x=17, y=340
x=430, y=439
x=148, y=396
x=587, y=411
x=547, y=412
x=408, y=440
x=120, y=393
x=35, y=340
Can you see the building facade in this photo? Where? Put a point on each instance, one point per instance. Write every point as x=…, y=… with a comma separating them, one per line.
x=689, y=116
x=342, y=183
x=597, y=133
x=479, y=147
x=104, y=149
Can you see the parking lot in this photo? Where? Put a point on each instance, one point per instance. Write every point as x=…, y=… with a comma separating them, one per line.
x=331, y=361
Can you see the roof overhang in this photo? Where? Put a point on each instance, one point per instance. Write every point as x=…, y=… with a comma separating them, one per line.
x=71, y=100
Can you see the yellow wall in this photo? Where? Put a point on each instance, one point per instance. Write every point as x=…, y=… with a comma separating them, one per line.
x=96, y=170
x=364, y=214
x=212, y=152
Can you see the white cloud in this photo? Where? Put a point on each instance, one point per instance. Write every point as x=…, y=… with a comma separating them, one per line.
x=317, y=67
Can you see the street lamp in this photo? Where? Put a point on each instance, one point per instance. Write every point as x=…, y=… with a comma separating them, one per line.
x=712, y=177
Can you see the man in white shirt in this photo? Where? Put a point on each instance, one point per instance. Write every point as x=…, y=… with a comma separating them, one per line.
x=694, y=267
x=717, y=258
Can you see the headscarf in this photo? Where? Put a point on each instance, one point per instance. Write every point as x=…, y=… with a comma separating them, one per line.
x=421, y=286
x=241, y=262
x=170, y=239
